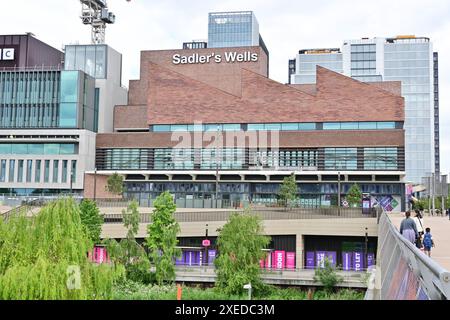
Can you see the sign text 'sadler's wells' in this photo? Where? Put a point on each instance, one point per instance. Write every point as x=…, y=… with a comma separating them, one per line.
x=229, y=57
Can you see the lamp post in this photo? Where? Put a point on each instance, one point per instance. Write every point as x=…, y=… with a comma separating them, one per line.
x=367, y=249
x=339, y=193
x=206, y=248
x=217, y=165
x=95, y=183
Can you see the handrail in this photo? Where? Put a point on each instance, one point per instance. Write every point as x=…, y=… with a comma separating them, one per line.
x=405, y=272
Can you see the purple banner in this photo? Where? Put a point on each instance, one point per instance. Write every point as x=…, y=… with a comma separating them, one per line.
x=310, y=262
x=320, y=259
x=370, y=260
x=211, y=256
x=358, y=261
x=332, y=257
x=347, y=261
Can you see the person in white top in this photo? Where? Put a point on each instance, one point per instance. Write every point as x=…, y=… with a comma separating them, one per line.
x=418, y=219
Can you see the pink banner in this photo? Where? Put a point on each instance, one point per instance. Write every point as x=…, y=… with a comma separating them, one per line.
x=280, y=260
x=268, y=261
x=290, y=260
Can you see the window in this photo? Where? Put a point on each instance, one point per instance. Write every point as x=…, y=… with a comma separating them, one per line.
x=20, y=171
x=29, y=169
x=64, y=171
x=161, y=128
x=37, y=171
x=55, y=171
x=332, y=126
x=340, y=158
x=12, y=166
x=3, y=171
x=47, y=171
x=74, y=171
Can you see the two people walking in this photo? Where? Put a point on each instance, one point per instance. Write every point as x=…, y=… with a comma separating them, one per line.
x=412, y=229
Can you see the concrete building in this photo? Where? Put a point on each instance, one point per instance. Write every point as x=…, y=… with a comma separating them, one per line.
x=408, y=59
x=49, y=115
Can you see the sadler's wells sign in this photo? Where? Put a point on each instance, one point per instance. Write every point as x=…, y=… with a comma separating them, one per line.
x=228, y=57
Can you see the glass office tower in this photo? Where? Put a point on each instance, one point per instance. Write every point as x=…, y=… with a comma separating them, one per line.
x=232, y=29
x=408, y=59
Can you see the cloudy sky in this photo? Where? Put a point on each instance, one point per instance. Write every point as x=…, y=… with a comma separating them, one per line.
x=285, y=25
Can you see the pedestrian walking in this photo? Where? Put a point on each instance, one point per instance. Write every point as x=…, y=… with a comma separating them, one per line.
x=408, y=228
x=418, y=219
x=428, y=242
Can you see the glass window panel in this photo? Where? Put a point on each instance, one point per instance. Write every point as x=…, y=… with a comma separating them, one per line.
x=289, y=127
x=67, y=149
x=349, y=126
x=386, y=125
x=332, y=126
x=69, y=86
x=37, y=171
x=90, y=61
x=80, y=57
x=64, y=171
x=273, y=126
x=20, y=171
x=178, y=127
x=74, y=171
x=47, y=171
x=36, y=148
x=12, y=166
x=69, y=57
x=20, y=148
x=29, y=169
x=255, y=127
x=51, y=149
x=55, y=171
x=68, y=115
x=100, y=62
x=231, y=127
x=5, y=148
x=306, y=126
x=367, y=125
x=3, y=170
x=161, y=128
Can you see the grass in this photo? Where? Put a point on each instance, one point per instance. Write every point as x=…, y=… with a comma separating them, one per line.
x=129, y=290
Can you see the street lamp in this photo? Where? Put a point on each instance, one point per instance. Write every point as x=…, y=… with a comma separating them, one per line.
x=95, y=183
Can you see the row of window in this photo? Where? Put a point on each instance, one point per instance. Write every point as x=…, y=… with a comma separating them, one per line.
x=277, y=126
x=38, y=148
x=38, y=171
x=259, y=188
x=330, y=159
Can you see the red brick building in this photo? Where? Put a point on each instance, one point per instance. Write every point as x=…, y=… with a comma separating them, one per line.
x=209, y=122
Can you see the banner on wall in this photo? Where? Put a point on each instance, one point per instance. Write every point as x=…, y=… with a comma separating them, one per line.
x=347, y=261
x=358, y=261
x=279, y=260
x=211, y=256
x=290, y=260
x=320, y=259
x=310, y=261
x=370, y=260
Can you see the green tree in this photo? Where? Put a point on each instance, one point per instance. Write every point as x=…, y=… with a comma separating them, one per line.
x=240, y=243
x=162, y=238
x=45, y=257
x=128, y=251
x=91, y=219
x=327, y=275
x=354, y=196
x=114, y=184
x=288, y=191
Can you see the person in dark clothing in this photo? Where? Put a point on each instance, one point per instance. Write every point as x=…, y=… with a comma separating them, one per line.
x=408, y=228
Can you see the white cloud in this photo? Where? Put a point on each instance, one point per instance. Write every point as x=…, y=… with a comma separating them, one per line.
x=285, y=25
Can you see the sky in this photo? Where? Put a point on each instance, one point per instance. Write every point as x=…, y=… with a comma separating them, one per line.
x=285, y=25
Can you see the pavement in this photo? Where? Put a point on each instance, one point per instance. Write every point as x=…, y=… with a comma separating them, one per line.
x=440, y=229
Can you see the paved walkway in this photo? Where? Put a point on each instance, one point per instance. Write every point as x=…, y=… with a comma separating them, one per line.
x=440, y=229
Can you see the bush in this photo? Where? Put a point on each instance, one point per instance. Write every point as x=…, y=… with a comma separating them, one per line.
x=327, y=276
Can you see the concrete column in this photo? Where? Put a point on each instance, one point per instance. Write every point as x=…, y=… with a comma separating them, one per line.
x=299, y=246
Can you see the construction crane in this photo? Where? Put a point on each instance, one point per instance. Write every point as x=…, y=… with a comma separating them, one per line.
x=96, y=14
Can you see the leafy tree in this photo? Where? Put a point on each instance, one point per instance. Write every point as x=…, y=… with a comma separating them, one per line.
x=354, y=196
x=128, y=251
x=91, y=219
x=162, y=238
x=114, y=184
x=288, y=191
x=240, y=245
x=40, y=257
x=327, y=275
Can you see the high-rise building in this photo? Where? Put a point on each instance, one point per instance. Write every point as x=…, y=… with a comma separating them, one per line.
x=234, y=29
x=408, y=59
x=49, y=114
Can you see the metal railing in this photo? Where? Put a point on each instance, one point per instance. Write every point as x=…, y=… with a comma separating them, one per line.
x=264, y=214
x=404, y=272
